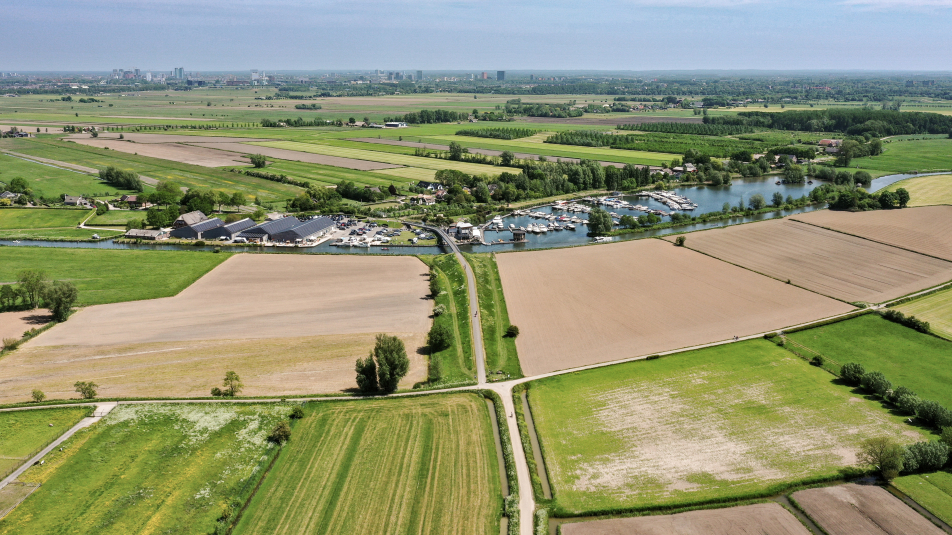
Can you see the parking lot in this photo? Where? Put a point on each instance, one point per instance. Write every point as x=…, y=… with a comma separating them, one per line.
x=377, y=232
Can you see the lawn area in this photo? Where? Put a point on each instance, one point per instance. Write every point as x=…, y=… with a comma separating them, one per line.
x=453, y=365
x=732, y=421
x=926, y=190
x=409, y=466
x=153, y=468
x=501, y=353
x=932, y=491
x=386, y=157
x=116, y=218
x=36, y=218
x=25, y=433
x=111, y=275
x=57, y=234
x=905, y=356
x=935, y=308
x=329, y=175
x=411, y=173
x=52, y=181
x=906, y=156
x=553, y=151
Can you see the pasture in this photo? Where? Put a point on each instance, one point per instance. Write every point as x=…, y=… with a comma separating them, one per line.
x=170, y=468
x=41, y=218
x=111, y=276
x=586, y=305
x=926, y=230
x=909, y=156
x=860, y=509
x=905, y=356
x=926, y=190
x=935, y=308
x=769, y=518
x=53, y=181
x=415, y=466
x=932, y=491
x=730, y=421
x=25, y=433
x=57, y=234
x=830, y=263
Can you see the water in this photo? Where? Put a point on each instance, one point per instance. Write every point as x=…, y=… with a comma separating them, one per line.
x=708, y=199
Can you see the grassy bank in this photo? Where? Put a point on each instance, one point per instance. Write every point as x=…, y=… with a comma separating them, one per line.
x=932, y=491
x=25, y=433
x=502, y=361
x=455, y=364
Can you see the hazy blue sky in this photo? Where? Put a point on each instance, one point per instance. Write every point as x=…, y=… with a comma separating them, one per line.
x=476, y=34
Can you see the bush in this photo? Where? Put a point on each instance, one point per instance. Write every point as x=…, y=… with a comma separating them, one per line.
x=925, y=456
x=439, y=337
x=434, y=284
x=281, y=433
x=947, y=436
x=852, y=373
x=258, y=160
x=38, y=396
x=86, y=389
x=679, y=241
x=439, y=310
x=296, y=413
x=909, y=321
x=817, y=361
x=9, y=344
x=876, y=383
x=512, y=331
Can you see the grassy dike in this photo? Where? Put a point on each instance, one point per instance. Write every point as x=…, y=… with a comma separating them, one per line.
x=454, y=365
x=502, y=360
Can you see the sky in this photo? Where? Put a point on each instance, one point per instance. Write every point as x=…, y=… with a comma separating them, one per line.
x=478, y=35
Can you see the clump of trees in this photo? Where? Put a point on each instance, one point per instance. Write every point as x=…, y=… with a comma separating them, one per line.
x=599, y=222
x=34, y=289
x=498, y=133
x=258, y=161
x=852, y=121
x=86, y=389
x=232, y=384
x=909, y=321
x=384, y=367
x=121, y=179
x=854, y=199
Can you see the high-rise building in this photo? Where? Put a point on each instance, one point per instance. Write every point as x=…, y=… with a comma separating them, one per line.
x=138, y=74
x=500, y=75
x=531, y=77
x=484, y=76
x=419, y=75
x=148, y=76
x=178, y=73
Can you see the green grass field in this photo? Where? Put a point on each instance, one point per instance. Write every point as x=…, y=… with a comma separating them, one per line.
x=37, y=218
x=553, y=151
x=413, y=465
x=926, y=190
x=150, y=469
x=25, y=433
x=57, y=234
x=935, y=308
x=111, y=276
x=501, y=353
x=932, y=491
x=907, y=156
x=731, y=421
x=906, y=357
x=116, y=218
x=454, y=365
x=328, y=175
x=52, y=181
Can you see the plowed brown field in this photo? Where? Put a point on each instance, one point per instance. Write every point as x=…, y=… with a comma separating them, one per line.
x=596, y=304
x=927, y=230
x=827, y=262
x=14, y=324
x=746, y=520
x=862, y=510
x=202, y=156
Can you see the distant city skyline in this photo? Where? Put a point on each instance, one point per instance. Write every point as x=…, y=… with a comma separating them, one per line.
x=485, y=35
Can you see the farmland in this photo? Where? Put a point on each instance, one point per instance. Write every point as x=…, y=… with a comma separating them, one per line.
x=728, y=421
x=52, y=181
x=424, y=465
x=594, y=304
x=926, y=230
x=936, y=309
x=14, y=324
x=905, y=356
x=35, y=218
x=853, y=509
x=830, y=263
x=118, y=275
x=169, y=468
x=494, y=317
x=927, y=190
x=769, y=518
x=921, y=155
x=24, y=433
x=932, y=491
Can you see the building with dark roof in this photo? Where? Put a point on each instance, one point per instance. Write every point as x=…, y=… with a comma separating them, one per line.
x=143, y=234
x=197, y=231
x=228, y=231
x=288, y=229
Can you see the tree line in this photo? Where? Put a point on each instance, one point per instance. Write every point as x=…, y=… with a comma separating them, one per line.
x=307, y=106
x=498, y=133
x=121, y=179
x=698, y=129
x=429, y=117
x=853, y=121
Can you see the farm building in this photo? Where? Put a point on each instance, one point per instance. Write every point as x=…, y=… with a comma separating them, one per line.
x=426, y=200
x=198, y=230
x=288, y=229
x=142, y=234
x=133, y=201
x=228, y=231
x=70, y=200
x=189, y=219
x=9, y=195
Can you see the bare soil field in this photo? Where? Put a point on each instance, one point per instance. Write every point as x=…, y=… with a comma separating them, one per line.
x=827, y=262
x=14, y=324
x=755, y=519
x=139, y=137
x=298, y=156
x=265, y=296
x=276, y=366
x=862, y=510
x=177, y=152
x=926, y=230
x=610, y=121
x=596, y=304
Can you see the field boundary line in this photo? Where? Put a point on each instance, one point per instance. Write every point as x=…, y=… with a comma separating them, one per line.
x=872, y=240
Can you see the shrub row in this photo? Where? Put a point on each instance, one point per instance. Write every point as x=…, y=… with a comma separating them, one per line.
x=497, y=133
x=283, y=179
x=511, y=503
x=909, y=321
x=531, y=461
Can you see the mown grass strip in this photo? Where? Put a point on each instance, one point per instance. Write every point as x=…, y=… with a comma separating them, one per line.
x=502, y=360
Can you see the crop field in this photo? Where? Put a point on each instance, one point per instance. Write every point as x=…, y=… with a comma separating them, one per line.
x=769, y=518
x=119, y=275
x=14, y=324
x=455, y=364
x=25, y=433
x=723, y=422
x=422, y=465
x=586, y=305
x=552, y=150
x=926, y=230
x=155, y=468
x=932, y=491
x=909, y=156
x=501, y=356
x=36, y=218
x=860, y=509
x=830, y=263
x=52, y=181
x=330, y=176
x=935, y=308
x=178, y=152
x=926, y=190
x=905, y=356
x=411, y=173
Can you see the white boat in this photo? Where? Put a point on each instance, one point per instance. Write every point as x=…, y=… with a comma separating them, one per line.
x=543, y=229
x=570, y=226
x=511, y=226
x=602, y=239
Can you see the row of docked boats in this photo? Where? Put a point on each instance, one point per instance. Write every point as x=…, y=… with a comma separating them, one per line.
x=671, y=199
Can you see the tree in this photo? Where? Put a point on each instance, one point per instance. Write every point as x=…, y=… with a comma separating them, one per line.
x=757, y=202
x=887, y=200
x=512, y=331
x=8, y=296
x=237, y=200
x=32, y=282
x=925, y=456
x=86, y=389
x=852, y=373
x=60, y=298
x=38, y=395
x=862, y=178
x=258, y=160
x=439, y=338
x=777, y=199
x=884, y=454
x=296, y=413
x=876, y=383
x=392, y=189
x=679, y=241
x=281, y=433
x=793, y=174
x=232, y=383
x=392, y=362
x=223, y=199
x=456, y=151
x=599, y=222
x=848, y=150
x=902, y=197
x=367, y=374
x=506, y=158
x=628, y=221
x=166, y=193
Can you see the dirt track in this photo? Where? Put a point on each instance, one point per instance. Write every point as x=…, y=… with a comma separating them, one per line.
x=927, y=229
x=827, y=262
x=746, y=520
x=595, y=304
x=862, y=510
